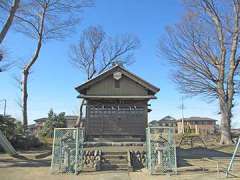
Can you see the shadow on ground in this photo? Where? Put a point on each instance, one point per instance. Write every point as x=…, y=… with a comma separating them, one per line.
x=198, y=153
x=43, y=155
x=24, y=163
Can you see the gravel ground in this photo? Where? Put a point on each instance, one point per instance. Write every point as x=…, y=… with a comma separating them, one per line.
x=30, y=168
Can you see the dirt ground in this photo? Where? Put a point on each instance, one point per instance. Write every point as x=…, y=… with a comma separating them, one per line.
x=35, y=165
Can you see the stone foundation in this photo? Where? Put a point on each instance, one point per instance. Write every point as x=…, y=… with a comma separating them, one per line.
x=92, y=160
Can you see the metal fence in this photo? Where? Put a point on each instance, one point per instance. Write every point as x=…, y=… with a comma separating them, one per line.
x=67, y=152
x=161, y=150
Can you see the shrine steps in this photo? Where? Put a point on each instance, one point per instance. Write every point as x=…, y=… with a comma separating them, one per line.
x=99, y=144
x=117, y=139
x=117, y=161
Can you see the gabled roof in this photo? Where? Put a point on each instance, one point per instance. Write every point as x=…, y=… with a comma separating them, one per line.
x=67, y=118
x=167, y=118
x=197, y=119
x=40, y=120
x=125, y=72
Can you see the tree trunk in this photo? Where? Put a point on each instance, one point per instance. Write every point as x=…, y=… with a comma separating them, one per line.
x=27, y=69
x=9, y=21
x=24, y=99
x=79, y=122
x=225, y=124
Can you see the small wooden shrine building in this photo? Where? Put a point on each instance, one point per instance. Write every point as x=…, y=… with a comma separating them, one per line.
x=116, y=104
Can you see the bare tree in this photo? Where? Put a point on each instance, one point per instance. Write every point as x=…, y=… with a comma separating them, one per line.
x=204, y=49
x=43, y=20
x=96, y=52
x=10, y=10
x=4, y=5
x=5, y=63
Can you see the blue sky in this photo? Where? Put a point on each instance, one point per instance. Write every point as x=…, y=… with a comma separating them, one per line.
x=53, y=78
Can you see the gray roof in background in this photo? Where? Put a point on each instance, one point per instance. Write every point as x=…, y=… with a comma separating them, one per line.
x=165, y=119
x=170, y=119
x=68, y=118
x=40, y=120
x=197, y=119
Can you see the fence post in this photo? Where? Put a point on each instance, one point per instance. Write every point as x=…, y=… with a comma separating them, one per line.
x=53, y=149
x=77, y=150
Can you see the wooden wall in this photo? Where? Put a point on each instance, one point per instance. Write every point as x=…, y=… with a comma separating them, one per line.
x=116, y=118
x=127, y=87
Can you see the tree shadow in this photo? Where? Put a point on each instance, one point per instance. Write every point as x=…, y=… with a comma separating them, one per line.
x=23, y=161
x=18, y=156
x=43, y=155
x=182, y=162
x=200, y=152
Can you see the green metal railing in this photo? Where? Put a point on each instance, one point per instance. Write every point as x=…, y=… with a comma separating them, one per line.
x=6, y=145
x=161, y=150
x=67, y=152
x=233, y=157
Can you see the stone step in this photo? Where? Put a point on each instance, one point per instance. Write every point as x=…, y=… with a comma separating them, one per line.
x=109, y=157
x=114, y=153
x=117, y=139
x=98, y=144
x=114, y=167
x=115, y=161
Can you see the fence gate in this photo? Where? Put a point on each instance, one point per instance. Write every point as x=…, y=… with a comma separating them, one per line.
x=161, y=150
x=67, y=152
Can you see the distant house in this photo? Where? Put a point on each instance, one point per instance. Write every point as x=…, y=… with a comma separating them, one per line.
x=7, y=125
x=167, y=121
x=235, y=132
x=153, y=123
x=39, y=123
x=7, y=117
x=197, y=125
x=32, y=129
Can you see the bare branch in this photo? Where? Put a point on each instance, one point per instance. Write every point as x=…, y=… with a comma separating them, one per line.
x=203, y=48
x=96, y=52
x=44, y=20
x=9, y=20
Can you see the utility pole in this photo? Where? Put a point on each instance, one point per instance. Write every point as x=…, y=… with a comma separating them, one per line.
x=182, y=108
x=5, y=106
